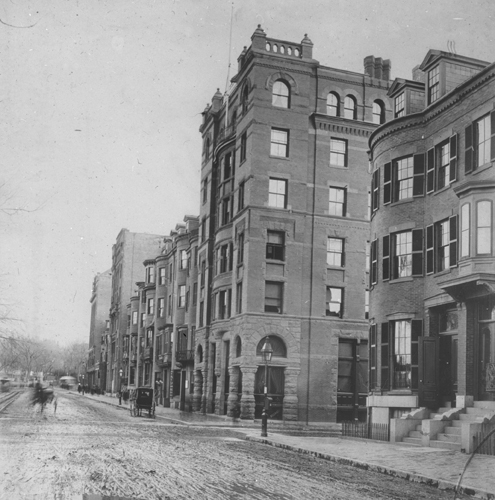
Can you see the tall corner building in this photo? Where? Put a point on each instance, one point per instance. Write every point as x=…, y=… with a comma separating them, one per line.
x=432, y=283
x=284, y=235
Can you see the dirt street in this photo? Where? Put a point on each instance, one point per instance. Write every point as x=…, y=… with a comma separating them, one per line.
x=93, y=448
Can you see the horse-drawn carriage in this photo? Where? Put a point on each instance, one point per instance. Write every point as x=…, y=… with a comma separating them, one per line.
x=142, y=399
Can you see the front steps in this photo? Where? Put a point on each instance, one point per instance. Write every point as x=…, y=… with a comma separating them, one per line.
x=449, y=422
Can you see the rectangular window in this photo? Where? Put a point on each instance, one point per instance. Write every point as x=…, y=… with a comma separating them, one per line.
x=161, y=307
x=227, y=167
x=169, y=306
x=150, y=274
x=151, y=306
x=335, y=302
x=275, y=245
x=183, y=259
x=338, y=152
x=279, y=145
x=195, y=293
x=373, y=357
x=366, y=304
x=240, y=197
x=433, y=84
x=483, y=227
x=238, y=308
x=224, y=258
x=465, y=228
x=243, y=146
x=203, y=229
x=203, y=273
x=240, y=249
x=399, y=105
x=443, y=163
x=277, y=193
x=227, y=210
x=482, y=141
x=443, y=245
x=224, y=304
x=402, y=258
x=134, y=317
x=335, y=252
x=182, y=296
x=337, y=201
x=274, y=297
x=205, y=190
x=401, y=331
x=143, y=317
x=161, y=278
x=403, y=182
x=201, y=313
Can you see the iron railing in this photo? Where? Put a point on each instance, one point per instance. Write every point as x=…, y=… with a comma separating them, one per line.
x=484, y=440
x=365, y=430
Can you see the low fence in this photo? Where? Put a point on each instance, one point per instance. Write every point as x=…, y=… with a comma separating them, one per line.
x=485, y=440
x=365, y=430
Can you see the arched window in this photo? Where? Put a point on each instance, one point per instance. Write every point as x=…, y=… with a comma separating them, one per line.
x=200, y=353
x=278, y=346
x=281, y=94
x=333, y=104
x=378, y=112
x=245, y=96
x=350, y=108
x=238, y=347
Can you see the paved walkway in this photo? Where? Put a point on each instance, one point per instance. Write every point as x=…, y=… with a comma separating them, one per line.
x=440, y=468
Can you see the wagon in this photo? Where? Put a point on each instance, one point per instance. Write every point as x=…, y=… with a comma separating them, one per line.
x=142, y=399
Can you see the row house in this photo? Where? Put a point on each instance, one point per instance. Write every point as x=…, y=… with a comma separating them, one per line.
x=284, y=235
x=158, y=348
x=432, y=310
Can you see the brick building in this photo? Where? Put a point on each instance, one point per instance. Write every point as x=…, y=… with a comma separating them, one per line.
x=100, y=305
x=161, y=314
x=432, y=250
x=284, y=232
x=128, y=254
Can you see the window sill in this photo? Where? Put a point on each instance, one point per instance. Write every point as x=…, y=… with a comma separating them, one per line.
x=442, y=273
x=482, y=169
x=342, y=167
x=242, y=162
x=400, y=392
x=441, y=190
x=402, y=280
x=401, y=202
x=279, y=157
x=335, y=268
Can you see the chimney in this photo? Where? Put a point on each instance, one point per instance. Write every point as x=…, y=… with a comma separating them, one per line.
x=378, y=68
x=387, y=67
x=307, y=48
x=418, y=75
x=369, y=66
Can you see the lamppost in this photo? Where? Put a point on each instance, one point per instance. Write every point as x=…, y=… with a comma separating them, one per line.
x=266, y=354
x=120, y=386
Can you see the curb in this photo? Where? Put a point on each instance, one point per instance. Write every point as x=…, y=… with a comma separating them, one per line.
x=408, y=476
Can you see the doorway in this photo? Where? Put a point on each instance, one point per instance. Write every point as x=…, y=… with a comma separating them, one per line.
x=448, y=370
x=487, y=362
x=275, y=387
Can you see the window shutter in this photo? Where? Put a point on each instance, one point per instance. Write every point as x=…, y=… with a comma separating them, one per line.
x=453, y=241
x=429, y=250
x=419, y=175
x=453, y=158
x=376, y=189
x=430, y=172
x=342, y=255
x=387, y=183
x=373, y=273
x=386, y=258
x=385, y=382
x=417, y=256
x=469, y=150
x=372, y=193
x=492, y=122
x=372, y=357
x=416, y=332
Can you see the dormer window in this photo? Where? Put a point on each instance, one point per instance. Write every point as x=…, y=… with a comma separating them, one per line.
x=399, y=105
x=280, y=95
x=433, y=84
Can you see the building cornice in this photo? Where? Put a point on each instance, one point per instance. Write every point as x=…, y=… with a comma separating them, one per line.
x=343, y=125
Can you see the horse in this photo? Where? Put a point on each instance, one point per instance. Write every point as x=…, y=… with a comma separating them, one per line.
x=42, y=396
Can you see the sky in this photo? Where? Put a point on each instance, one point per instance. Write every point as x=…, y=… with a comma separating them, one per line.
x=100, y=106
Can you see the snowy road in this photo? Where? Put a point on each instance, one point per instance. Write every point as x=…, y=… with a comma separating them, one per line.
x=90, y=447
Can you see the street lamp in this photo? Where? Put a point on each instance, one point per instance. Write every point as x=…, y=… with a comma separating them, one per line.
x=266, y=354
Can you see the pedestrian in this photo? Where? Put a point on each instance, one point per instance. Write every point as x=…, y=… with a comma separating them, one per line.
x=120, y=396
x=125, y=396
x=79, y=388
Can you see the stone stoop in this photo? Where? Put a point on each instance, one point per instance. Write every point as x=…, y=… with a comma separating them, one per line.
x=451, y=436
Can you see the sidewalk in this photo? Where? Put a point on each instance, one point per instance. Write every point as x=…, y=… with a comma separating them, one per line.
x=437, y=467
